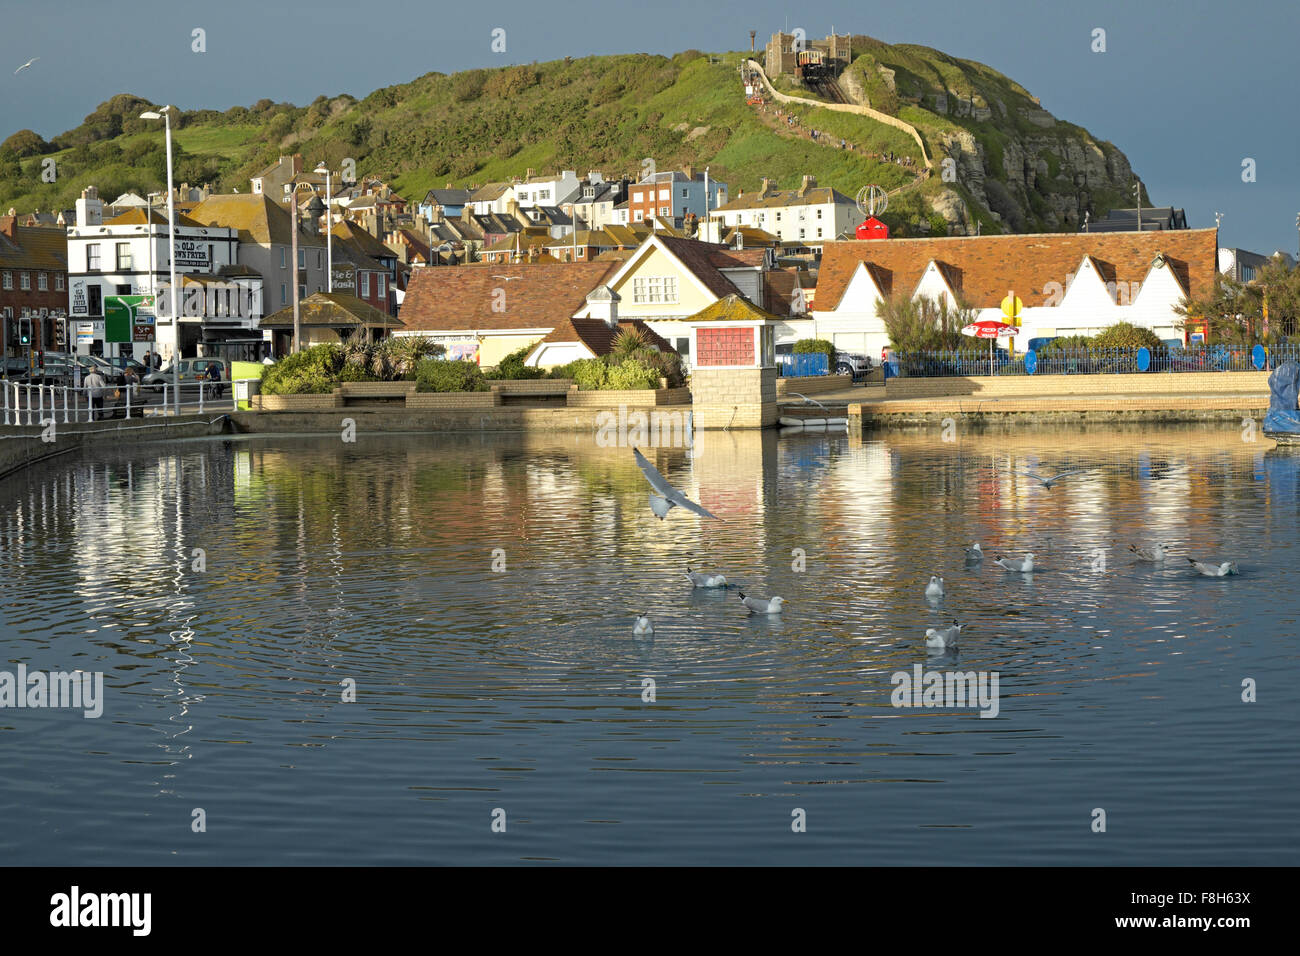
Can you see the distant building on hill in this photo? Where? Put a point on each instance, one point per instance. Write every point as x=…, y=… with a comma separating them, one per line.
x=1153, y=218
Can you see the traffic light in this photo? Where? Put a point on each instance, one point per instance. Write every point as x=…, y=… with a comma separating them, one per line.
x=24, y=331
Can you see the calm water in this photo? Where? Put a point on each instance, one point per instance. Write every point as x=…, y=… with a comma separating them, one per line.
x=522, y=690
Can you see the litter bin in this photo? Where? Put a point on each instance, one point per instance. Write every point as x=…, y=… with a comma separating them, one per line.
x=245, y=389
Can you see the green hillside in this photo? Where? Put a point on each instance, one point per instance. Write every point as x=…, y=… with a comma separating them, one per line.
x=1018, y=168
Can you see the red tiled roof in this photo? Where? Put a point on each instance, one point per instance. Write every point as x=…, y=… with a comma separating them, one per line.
x=599, y=337
x=697, y=256
x=990, y=265
x=536, y=295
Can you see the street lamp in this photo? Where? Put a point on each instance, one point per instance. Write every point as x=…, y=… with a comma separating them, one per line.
x=329, y=228
x=165, y=115
x=293, y=212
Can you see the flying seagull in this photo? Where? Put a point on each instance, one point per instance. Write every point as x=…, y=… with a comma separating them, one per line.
x=643, y=627
x=808, y=401
x=665, y=497
x=934, y=590
x=943, y=636
x=507, y=278
x=702, y=579
x=1048, y=482
x=1215, y=570
x=26, y=65
x=1024, y=567
x=1152, y=555
x=759, y=606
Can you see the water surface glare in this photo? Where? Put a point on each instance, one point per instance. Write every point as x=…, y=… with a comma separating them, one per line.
x=328, y=563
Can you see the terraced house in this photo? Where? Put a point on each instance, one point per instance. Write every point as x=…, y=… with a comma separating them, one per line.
x=810, y=215
x=33, y=283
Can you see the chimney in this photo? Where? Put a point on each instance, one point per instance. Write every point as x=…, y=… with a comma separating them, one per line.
x=297, y=163
x=689, y=171
x=809, y=182
x=767, y=186
x=8, y=224
x=528, y=174
x=90, y=208
x=602, y=303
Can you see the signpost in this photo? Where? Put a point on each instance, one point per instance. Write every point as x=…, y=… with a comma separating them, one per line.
x=128, y=318
x=1012, y=307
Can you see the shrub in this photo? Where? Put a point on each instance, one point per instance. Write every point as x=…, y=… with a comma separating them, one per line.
x=1066, y=342
x=814, y=346
x=512, y=367
x=589, y=374
x=1124, y=335
x=352, y=372
x=309, y=372
x=438, y=375
x=632, y=374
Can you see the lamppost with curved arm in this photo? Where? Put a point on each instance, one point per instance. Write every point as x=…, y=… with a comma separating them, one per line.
x=165, y=115
x=293, y=212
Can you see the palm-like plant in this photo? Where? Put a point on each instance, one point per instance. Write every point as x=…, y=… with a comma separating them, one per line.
x=628, y=344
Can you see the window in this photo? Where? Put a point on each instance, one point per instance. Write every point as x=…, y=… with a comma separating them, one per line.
x=92, y=257
x=60, y=282
x=819, y=232
x=284, y=290
x=819, y=213
x=778, y=217
x=319, y=261
x=663, y=193
x=543, y=194
x=684, y=346
x=8, y=280
x=589, y=192
x=380, y=290
x=302, y=258
x=665, y=210
x=365, y=285
x=636, y=217
x=652, y=290
x=282, y=257
x=302, y=290
x=124, y=257
x=25, y=281
x=801, y=231
x=685, y=193
x=42, y=282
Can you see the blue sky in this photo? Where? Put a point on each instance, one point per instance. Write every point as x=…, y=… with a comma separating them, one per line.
x=1186, y=89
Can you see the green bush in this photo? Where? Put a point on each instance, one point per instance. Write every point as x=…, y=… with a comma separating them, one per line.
x=309, y=372
x=439, y=375
x=1124, y=335
x=632, y=374
x=352, y=372
x=1066, y=342
x=814, y=346
x=512, y=367
x=588, y=374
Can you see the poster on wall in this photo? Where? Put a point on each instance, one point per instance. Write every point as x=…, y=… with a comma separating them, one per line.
x=79, y=304
x=192, y=254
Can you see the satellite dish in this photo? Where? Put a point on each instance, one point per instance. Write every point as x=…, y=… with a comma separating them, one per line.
x=872, y=200
x=1226, y=260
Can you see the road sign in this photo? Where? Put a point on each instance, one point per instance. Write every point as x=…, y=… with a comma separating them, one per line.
x=1012, y=306
x=120, y=316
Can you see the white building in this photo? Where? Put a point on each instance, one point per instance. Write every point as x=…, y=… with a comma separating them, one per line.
x=550, y=190
x=810, y=215
x=130, y=255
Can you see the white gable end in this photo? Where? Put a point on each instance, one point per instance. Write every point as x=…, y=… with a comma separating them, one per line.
x=1088, y=291
x=934, y=286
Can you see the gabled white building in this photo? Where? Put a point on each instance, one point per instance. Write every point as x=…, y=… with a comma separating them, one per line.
x=810, y=215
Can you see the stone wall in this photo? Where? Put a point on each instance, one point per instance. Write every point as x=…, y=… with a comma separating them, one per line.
x=813, y=384
x=734, y=397
x=607, y=398
x=21, y=446
x=453, y=399
x=1173, y=383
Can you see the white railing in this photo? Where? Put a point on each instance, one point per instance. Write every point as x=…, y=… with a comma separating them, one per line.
x=25, y=404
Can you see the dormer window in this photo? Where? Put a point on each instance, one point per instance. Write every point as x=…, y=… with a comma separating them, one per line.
x=589, y=192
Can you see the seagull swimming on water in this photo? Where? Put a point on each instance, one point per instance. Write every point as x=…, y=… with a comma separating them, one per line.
x=1048, y=482
x=643, y=627
x=943, y=636
x=759, y=606
x=934, y=590
x=702, y=579
x=1011, y=564
x=1153, y=555
x=26, y=65
x=665, y=497
x=1215, y=570
x=974, y=554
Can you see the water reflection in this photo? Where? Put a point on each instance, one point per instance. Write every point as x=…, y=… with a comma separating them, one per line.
x=371, y=563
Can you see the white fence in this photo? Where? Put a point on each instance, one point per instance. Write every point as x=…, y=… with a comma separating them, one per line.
x=37, y=404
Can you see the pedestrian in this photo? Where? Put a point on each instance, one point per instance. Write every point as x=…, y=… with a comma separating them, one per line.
x=147, y=361
x=157, y=361
x=131, y=382
x=95, y=388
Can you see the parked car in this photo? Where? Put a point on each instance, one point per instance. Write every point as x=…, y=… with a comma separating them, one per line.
x=842, y=363
x=111, y=374
x=14, y=367
x=51, y=373
x=193, y=373
x=123, y=362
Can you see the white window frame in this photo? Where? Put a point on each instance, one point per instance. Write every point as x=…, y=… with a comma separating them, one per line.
x=25, y=281
x=654, y=290
x=364, y=292
x=42, y=282
x=92, y=257
x=381, y=287
x=122, y=256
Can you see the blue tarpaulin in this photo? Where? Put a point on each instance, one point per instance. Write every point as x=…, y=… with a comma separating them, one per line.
x=1284, y=393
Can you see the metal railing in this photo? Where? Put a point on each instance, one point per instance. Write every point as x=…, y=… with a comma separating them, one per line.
x=803, y=364
x=25, y=404
x=1066, y=361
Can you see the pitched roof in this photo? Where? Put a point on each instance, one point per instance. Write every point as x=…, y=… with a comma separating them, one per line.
x=35, y=247
x=447, y=197
x=732, y=308
x=990, y=265
x=364, y=241
x=136, y=217
x=489, y=191
x=598, y=336
x=332, y=310
x=257, y=218
x=536, y=295
x=697, y=256
x=815, y=196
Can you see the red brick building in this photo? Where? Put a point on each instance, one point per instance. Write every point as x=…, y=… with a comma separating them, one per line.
x=33, y=283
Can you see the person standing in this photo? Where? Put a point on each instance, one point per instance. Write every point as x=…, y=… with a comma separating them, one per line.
x=157, y=361
x=131, y=383
x=95, y=388
x=147, y=361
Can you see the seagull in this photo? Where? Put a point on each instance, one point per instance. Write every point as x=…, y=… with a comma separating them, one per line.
x=643, y=627
x=1024, y=567
x=1215, y=570
x=944, y=636
x=934, y=590
x=26, y=65
x=1048, y=482
x=507, y=278
x=974, y=554
x=702, y=579
x=759, y=606
x=667, y=496
x=1153, y=555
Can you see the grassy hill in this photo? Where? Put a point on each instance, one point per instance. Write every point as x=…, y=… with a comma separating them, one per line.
x=1017, y=167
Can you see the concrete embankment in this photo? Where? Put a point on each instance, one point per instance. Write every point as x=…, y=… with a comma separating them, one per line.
x=24, y=445
x=501, y=418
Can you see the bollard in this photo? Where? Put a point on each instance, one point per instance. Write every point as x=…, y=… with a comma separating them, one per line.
x=65, y=404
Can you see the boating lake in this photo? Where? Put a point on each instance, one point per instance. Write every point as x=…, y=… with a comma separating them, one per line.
x=324, y=565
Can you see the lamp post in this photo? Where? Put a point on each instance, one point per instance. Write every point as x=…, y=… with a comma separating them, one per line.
x=329, y=228
x=293, y=212
x=165, y=115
